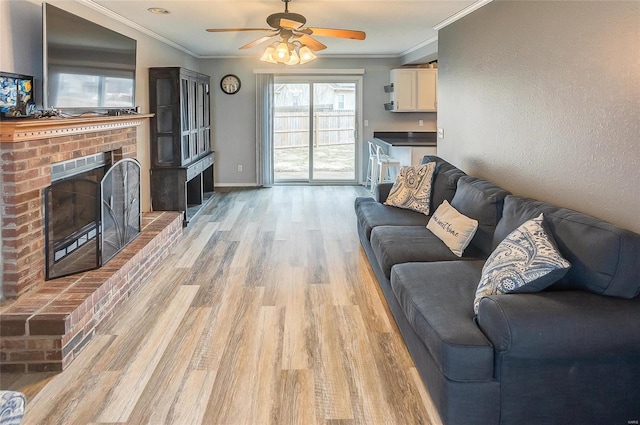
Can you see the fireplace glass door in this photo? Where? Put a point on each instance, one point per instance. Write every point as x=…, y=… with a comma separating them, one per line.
x=72, y=226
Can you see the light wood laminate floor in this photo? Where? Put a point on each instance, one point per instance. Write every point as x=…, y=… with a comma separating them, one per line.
x=266, y=313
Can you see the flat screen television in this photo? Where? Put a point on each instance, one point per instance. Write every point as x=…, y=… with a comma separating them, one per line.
x=87, y=67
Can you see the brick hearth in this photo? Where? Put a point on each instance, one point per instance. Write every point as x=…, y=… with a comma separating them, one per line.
x=47, y=327
x=44, y=325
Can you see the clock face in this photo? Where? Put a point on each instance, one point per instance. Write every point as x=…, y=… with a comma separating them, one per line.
x=230, y=84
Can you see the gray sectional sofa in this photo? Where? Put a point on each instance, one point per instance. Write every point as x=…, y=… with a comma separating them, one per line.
x=567, y=355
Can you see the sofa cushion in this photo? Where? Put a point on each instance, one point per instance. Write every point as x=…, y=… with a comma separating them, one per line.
x=452, y=228
x=482, y=201
x=412, y=189
x=525, y=261
x=373, y=214
x=603, y=257
x=445, y=180
x=435, y=298
x=405, y=244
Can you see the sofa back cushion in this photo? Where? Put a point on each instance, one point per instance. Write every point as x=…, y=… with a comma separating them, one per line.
x=482, y=201
x=603, y=257
x=445, y=180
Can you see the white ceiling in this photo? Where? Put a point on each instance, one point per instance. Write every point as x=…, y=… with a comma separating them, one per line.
x=393, y=27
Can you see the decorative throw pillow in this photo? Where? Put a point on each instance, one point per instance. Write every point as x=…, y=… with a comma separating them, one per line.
x=454, y=229
x=527, y=260
x=412, y=189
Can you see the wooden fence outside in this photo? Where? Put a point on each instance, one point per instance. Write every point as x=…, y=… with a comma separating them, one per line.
x=291, y=129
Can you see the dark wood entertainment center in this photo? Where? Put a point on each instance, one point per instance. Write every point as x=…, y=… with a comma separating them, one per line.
x=181, y=155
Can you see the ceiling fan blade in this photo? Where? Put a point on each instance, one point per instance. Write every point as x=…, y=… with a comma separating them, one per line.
x=237, y=29
x=258, y=41
x=290, y=24
x=334, y=32
x=312, y=43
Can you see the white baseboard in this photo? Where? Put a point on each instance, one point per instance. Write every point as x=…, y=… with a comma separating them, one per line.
x=236, y=185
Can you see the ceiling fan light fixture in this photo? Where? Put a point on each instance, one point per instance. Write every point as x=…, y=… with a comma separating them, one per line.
x=268, y=55
x=306, y=55
x=282, y=53
x=294, y=59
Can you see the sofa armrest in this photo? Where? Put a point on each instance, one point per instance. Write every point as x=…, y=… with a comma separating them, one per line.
x=382, y=191
x=563, y=324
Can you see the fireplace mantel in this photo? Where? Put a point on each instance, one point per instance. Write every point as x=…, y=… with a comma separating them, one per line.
x=34, y=129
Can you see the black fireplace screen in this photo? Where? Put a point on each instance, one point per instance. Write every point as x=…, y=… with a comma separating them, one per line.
x=90, y=218
x=121, y=211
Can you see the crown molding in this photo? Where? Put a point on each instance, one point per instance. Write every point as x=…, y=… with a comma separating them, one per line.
x=111, y=14
x=464, y=12
x=419, y=46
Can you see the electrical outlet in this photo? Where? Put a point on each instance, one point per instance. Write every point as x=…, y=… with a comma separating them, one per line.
x=240, y=167
x=421, y=123
x=440, y=133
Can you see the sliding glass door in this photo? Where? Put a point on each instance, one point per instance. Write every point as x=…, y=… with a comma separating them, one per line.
x=315, y=131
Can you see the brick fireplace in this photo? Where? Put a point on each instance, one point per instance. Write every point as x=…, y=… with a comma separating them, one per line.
x=43, y=325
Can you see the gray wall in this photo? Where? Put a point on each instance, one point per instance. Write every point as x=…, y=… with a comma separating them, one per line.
x=234, y=132
x=543, y=98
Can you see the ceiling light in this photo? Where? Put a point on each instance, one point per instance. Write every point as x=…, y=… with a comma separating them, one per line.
x=288, y=53
x=158, y=10
x=294, y=59
x=268, y=55
x=306, y=55
x=282, y=54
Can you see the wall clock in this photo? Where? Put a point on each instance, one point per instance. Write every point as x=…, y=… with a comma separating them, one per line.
x=230, y=84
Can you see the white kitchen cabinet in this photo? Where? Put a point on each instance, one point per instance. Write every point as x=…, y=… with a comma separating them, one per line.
x=411, y=155
x=414, y=89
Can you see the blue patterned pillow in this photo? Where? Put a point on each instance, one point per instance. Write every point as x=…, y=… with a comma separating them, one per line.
x=412, y=189
x=527, y=260
x=12, y=405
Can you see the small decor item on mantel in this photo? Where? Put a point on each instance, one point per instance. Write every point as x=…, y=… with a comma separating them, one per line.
x=16, y=95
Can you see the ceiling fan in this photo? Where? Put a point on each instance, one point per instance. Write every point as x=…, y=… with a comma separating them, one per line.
x=290, y=27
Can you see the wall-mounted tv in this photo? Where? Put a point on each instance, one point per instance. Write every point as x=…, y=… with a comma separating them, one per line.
x=87, y=67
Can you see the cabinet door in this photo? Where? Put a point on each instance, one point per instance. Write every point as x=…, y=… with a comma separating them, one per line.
x=404, y=89
x=186, y=112
x=164, y=122
x=193, y=122
x=201, y=118
x=205, y=121
x=427, y=90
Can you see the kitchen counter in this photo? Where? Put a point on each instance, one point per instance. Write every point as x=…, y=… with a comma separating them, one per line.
x=407, y=138
x=408, y=147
